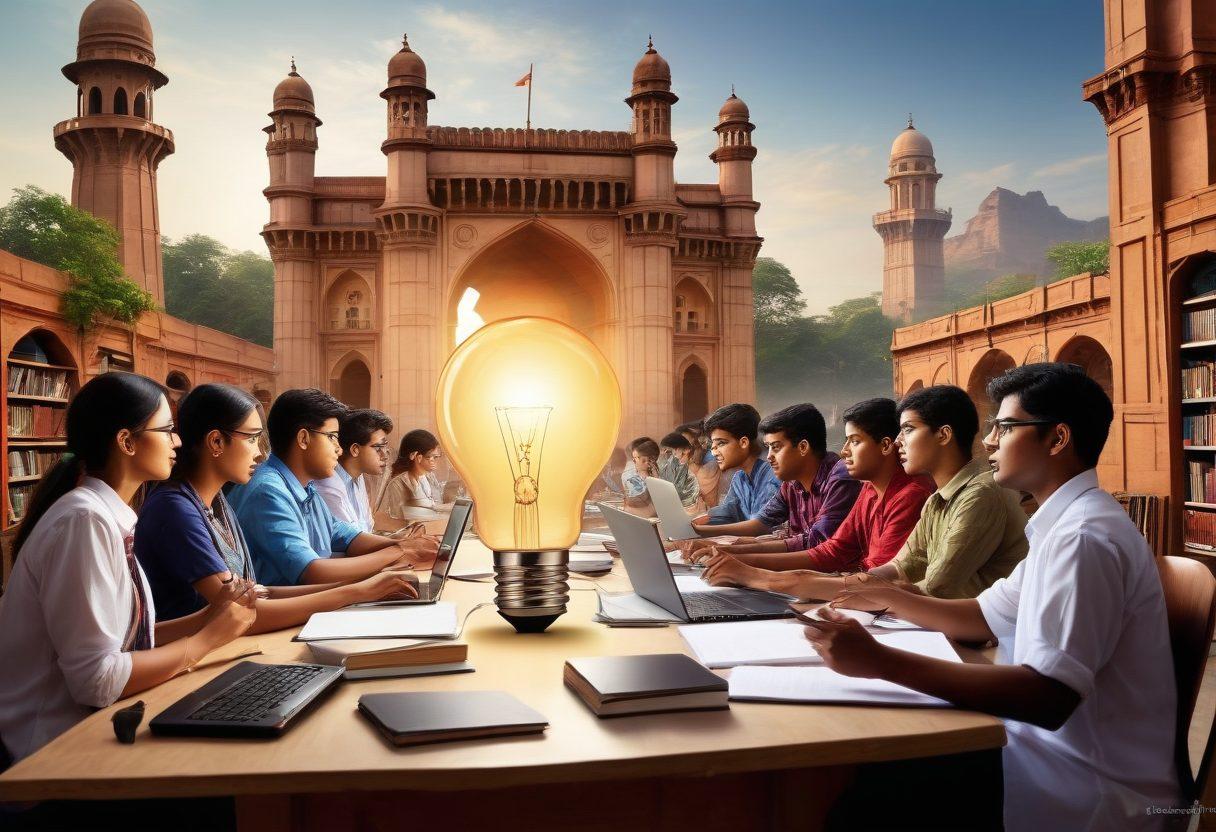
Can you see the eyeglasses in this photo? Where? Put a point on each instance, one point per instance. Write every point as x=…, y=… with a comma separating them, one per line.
x=381, y=448
x=169, y=428
x=1004, y=426
x=251, y=436
x=333, y=437
x=434, y=456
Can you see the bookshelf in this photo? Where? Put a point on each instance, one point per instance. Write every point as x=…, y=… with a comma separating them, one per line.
x=38, y=382
x=1197, y=365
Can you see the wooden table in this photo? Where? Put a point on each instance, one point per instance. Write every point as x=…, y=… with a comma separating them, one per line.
x=755, y=766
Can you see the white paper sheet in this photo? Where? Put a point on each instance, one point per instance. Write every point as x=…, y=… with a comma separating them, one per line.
x=422, y=621
x=822, y=684
x=627, y=606
x=695, y=583
x=783, y=642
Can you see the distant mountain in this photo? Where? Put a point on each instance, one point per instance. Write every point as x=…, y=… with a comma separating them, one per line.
x=1010, y=234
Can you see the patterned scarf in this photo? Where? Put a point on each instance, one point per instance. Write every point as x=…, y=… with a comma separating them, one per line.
x=139, y=633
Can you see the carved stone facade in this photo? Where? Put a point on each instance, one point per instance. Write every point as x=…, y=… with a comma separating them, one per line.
x=588, y=227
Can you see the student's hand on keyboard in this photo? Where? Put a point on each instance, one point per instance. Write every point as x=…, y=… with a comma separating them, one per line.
x=845, y=646
x=390, y=585
x=722, y=569
x=693, y=550
x=417, y=551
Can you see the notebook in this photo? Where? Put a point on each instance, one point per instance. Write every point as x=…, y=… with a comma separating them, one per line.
x=377, y=658
x=436, y=620
x=621, y=685
x=822, y=685
x=418, y=717
x=783, y=642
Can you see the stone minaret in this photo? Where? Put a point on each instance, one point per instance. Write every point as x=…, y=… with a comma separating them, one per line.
x=408, y=228
x=113, y=143
x=913, y=272
x=734, y=155
x=651, y=225
x=291, y=149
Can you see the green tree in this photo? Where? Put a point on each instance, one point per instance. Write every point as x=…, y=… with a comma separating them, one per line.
x=43, y=227
x=1079, y=257
x=776, y=295
x=207, y=284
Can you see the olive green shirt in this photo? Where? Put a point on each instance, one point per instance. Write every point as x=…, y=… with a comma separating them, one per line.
x=971, y=533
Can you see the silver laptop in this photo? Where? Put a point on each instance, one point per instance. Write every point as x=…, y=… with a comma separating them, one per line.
x=428, y=593
x=641, y=550
x=674, y=520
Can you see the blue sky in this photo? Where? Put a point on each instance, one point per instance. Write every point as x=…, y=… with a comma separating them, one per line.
x=996, y=86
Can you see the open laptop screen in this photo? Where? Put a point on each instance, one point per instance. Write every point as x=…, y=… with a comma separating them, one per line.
x=457, y=523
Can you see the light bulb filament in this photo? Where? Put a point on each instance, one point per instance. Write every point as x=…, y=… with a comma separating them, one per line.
x=523, y=436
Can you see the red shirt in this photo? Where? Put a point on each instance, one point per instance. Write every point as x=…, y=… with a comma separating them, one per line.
x=876, y=528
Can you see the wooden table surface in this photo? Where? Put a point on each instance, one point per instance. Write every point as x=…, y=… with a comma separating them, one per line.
x=333, y=748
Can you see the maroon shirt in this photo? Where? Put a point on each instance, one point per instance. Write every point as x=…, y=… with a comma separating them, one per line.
x=813, y=515
x=876, y=528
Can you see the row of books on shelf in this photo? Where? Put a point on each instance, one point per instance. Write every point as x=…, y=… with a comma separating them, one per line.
x=1199, y=380
x=32, y=462
x=1199, y=325
x=18, y=500
x=1200, y=529
x=31, y=381
x=1147, y=511
x=38, y=420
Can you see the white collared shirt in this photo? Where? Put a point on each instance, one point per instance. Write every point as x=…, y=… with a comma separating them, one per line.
x=1086, y=608
x=64, y=616
x=346, y=498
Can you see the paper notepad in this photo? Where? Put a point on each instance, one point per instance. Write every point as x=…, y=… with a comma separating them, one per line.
x=783, y=642
x=822, y=684
x=421, y=621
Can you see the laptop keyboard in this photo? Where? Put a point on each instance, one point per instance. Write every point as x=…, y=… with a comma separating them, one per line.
x=256, y=696
x=706, y=604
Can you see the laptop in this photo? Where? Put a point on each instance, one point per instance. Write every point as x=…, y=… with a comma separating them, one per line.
x=646, y=564
x=675, y=522
x=248, y=700
x=429, y=592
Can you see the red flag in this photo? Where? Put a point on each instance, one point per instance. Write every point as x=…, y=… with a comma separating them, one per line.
x=526, y=81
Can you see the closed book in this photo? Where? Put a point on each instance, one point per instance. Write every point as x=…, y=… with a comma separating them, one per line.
x=364, y=654
x=419, y=717
x=621, y=685
x=408, y=670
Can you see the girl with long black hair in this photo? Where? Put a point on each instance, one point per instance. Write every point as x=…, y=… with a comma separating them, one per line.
x=77, y=622
x=188, y=539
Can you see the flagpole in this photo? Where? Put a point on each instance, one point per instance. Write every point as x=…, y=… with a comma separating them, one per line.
x=529, y=116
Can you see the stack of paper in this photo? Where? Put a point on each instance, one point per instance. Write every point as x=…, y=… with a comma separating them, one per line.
x=415, y=621
x=627, y=609
x=822, y=684
x=784, y=642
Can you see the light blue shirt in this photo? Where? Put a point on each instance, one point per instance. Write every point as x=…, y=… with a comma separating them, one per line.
x=286, y=525
x=748, y=494
x=346, y=497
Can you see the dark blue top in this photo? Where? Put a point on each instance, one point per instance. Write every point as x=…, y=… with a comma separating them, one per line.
x=174, y=545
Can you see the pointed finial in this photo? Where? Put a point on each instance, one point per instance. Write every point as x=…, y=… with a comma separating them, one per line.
x=649, y=43
x=910, y=127
x=732, y=90
x=293, y=66
x=405, y=42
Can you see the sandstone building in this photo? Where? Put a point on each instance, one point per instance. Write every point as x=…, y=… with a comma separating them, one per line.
x=588, y=227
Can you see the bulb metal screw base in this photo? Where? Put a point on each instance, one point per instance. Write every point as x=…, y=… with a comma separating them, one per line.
x=532, y=587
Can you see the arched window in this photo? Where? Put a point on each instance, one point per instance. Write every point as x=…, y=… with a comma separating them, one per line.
x=94, y=101
x=120, y=102
x=694, y=394
x=141, y=106
x=79, y=102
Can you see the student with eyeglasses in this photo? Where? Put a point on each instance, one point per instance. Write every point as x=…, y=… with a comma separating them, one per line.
x=78, y=628
x=363, y=435
x=292, y=535
x=413, y=494
x=188, y=540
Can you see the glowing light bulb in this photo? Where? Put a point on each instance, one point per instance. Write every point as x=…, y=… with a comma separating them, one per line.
x=528, y=411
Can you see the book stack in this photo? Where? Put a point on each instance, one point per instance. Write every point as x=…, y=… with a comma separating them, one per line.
x=31, y=381
x=1200, y=529
x=1147, y=512
x=1199, y=326
x=31, y=463
x=1201, y=481
x=1199, y=381
x=378, y=658
x=36, y=421
x=623, y=685
x=1199, y=429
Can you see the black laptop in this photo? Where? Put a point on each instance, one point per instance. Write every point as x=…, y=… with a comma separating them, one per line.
x=641, y=548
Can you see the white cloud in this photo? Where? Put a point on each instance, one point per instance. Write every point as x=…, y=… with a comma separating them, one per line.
x=1070, y=167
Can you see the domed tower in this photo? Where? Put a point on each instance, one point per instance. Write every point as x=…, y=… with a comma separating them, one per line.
x=113, y=143
x=734, y=155
x=912, y=230
x=291, y=149
x=408, y=230
x=651, y=223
